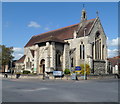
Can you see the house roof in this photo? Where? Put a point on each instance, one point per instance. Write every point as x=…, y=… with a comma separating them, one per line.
x=116, y=57
x=61, y=34
x=115, y=60
x=21, y=60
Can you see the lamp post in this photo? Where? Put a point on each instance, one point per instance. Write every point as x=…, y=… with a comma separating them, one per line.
x=85, y=74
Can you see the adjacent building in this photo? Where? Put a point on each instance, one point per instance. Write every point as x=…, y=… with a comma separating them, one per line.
x=114, y=64
x=66, y=48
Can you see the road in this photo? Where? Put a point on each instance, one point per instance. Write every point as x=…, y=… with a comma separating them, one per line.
x=35, y=90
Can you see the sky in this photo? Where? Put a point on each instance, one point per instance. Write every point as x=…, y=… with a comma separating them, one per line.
x=22, y=20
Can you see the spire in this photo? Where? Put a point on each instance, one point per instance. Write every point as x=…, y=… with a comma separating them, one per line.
x=84, y=14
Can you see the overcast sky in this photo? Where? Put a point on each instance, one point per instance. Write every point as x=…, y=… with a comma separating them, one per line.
x=22, y=20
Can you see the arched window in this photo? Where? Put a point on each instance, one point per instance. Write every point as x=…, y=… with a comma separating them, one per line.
x=28, y=59
x=97, y=46
x=84, y=14
x=103, y=52
x=28, y=63
x=93, y=51
x=72, y=62
x=82, y=51
x=97, y=35
x=42, y=66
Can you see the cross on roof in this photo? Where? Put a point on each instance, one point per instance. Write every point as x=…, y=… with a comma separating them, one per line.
x=83, y=6
x=97, y=13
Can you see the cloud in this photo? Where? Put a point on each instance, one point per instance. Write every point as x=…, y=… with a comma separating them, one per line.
x=112, y=52
x=46, y=28
x=51, y=26
x=34, y=24
x=113, y=46
x=17, y=49
x=18, y=52
x=113, y=42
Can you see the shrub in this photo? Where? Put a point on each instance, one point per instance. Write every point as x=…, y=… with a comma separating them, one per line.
x=67, y=71
x=18, y=73
x=87, y=67
x=26, y=72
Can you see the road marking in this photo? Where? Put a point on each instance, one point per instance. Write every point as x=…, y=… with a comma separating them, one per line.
x=37, y=89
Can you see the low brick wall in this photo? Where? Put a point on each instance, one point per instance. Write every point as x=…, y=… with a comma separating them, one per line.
x=66, y=77
x=102, y=76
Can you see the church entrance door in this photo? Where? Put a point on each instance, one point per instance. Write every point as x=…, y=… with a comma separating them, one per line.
x=42, y=66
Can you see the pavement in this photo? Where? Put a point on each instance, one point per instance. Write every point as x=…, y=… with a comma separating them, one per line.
x=38, y=90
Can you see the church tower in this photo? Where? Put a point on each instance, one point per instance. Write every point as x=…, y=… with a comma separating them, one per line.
x=83, y=18
x=84, y=15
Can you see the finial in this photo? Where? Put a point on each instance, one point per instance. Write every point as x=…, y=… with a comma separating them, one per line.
x=97, y=13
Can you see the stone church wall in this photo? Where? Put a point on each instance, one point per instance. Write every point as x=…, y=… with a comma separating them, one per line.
x=99, y=67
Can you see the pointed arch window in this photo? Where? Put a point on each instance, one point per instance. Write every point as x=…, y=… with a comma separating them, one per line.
x=93, y=51
x=28, y=63
x=72, y=62
x=84, y=14
x=82, y=51
x=97, y=46
x=103, y=52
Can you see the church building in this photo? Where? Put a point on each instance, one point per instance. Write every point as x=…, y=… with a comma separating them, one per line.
x=66, y=48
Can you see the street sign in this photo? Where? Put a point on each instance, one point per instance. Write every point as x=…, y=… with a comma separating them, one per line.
x=77, y=68
x=57, y=73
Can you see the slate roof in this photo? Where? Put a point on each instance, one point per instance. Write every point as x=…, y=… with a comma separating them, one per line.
x=51, y=39
x=21, y=60
x=86, y=24
x=61, y=34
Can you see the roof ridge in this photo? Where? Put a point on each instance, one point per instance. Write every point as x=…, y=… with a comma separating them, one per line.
x=56, y=29
x=63, y=33
x=90, y=19
x=18, y=61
